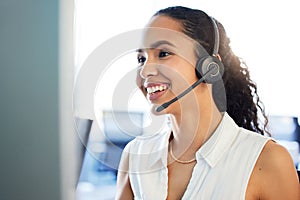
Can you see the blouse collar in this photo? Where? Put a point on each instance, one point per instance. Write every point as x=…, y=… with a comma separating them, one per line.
x=211, y=151
x=220, y=141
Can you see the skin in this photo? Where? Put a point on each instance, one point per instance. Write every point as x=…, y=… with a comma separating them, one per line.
x=194, y=119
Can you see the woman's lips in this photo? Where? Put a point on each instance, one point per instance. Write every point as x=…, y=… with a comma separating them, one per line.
x=155, y=90
x=156, y=95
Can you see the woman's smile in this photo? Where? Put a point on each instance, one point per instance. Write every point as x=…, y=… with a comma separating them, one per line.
x=156, y=90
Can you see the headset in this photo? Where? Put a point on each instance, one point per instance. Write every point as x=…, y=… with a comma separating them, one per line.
x=211, y=62
x=209, y=69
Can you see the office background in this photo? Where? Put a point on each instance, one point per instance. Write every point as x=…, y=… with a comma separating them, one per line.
x=40, y=57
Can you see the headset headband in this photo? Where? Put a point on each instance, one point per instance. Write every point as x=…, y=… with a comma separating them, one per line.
x=216, y=34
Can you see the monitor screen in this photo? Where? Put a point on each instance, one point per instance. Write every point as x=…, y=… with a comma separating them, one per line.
x=283, y=127
x=122, y=126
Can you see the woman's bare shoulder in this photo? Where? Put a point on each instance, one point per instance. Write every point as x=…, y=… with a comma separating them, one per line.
x=275, y=174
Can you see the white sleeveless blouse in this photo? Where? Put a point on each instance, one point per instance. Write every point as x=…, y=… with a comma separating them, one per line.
x=223, y=168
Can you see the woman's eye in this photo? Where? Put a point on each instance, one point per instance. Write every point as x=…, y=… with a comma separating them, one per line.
x=163, y=54
x=141, y=59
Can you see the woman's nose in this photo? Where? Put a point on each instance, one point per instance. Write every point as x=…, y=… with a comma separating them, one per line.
x=149, y=69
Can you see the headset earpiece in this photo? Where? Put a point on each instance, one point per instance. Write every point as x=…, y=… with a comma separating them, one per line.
x=207, y=63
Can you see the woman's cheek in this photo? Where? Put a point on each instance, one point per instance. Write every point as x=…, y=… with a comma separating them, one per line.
x=140, y=82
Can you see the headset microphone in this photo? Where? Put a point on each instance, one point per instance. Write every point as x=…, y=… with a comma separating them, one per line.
x=209, y=69
x=213, y=71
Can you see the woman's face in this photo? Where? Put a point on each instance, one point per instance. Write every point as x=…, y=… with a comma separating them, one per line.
x=166, y=62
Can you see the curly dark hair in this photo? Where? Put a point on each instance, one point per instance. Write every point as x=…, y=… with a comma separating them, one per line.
x=242, y=101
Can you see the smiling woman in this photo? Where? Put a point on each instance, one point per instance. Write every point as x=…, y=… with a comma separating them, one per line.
x=210, y=151
x=263, y=33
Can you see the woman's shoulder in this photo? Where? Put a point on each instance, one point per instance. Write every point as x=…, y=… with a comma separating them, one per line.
x=276, y=160
x=274, y=174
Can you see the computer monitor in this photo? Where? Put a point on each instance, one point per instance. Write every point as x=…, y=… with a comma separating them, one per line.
x=284, y=127
x=119, y=127
x=122, y=126
x=285, y=130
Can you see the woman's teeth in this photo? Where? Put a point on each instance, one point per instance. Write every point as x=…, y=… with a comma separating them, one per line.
x=157, y=88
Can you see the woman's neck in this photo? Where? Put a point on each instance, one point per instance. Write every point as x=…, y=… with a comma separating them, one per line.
x=192, y=128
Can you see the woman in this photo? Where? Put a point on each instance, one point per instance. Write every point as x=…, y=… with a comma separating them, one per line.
x=215, y=149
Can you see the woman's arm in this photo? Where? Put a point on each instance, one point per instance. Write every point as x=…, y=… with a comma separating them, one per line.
x=124, y=191
x=276, y=174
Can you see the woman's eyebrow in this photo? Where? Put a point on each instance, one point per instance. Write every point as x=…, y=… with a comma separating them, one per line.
x=161, y=42
x=139, y=50
x=155, y=45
